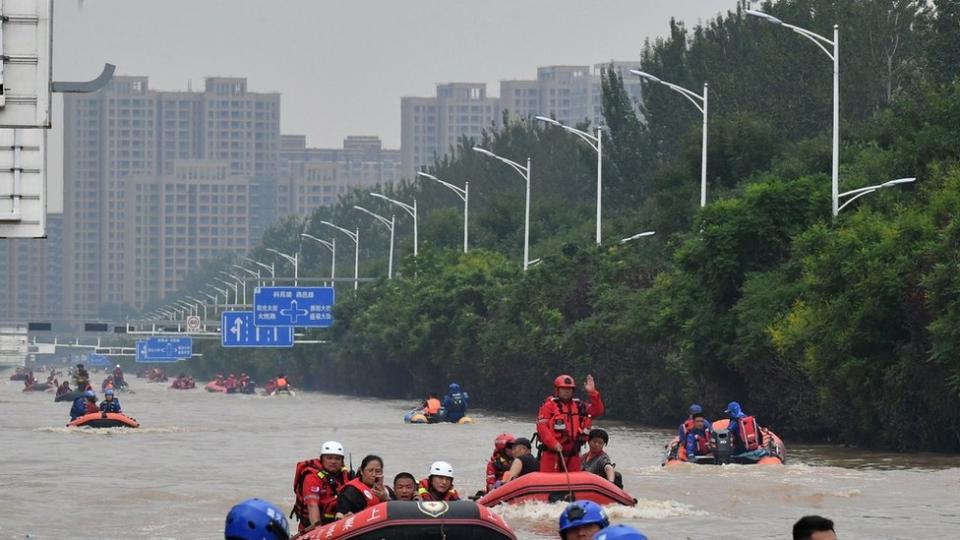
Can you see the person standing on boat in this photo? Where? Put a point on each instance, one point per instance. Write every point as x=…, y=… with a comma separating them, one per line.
x=110, y=403
x=563, y=424
x=455, y=402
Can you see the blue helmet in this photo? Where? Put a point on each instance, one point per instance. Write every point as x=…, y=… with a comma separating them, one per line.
x=733, y=409
x=619, y=532
x=108, y=392
x=255, y=519
x=696, y=409
x=90, y=394
x=454, y=387
x=582, y=513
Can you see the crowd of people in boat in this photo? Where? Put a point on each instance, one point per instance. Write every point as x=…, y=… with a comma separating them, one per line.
x=183, y=382
x=153, y=375
x=696, y=437
x=233, y=384
x=87, y=404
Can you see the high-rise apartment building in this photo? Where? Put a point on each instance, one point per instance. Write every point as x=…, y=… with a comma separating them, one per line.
x=128, y=130
x=315, y=177
x=32, y=270
x=431, y=127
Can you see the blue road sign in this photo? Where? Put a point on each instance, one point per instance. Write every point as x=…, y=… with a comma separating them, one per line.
x=293, y=306
x=164, y=349
x=94, y=359
x=237, y=330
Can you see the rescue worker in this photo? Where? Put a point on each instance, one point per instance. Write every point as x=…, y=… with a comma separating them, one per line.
x=404, y=487
x=282, y=383
x=563, y=423
x=523, y=460
x=439, y=485
x=581, y=520
x=500, y=461
x=455, y=403
x=255, y=519
x=81, y=378
x=596, y=460
x=110, y=403
x=619, y=532
x=743, y=429
x=431, y=405
x=688, y=423
x=698, y=441
x=316, y=483
x=81, y=405
x=118, y=379
x=64, y=388
x=365, y=490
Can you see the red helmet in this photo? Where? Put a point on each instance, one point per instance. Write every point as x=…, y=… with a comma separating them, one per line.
x=564, y=381
x=503, y=439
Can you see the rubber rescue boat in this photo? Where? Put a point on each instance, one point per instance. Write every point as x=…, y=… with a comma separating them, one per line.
x=416, y=416
x=39, y=387
x=771, y=451
x=553, y=487
x=404, y=520
x=69, y=396
x=104, y=420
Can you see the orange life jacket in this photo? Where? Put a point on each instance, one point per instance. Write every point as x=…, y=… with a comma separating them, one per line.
x=433, y=406
x=750, y=435
x=427, y=495
x=334, y=481
x=281, y=383
x=364, y=490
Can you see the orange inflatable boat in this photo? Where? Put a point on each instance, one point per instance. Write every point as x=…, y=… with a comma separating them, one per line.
x=553, y=487
x=104, y=420
x=396, y=520
x=771, y=451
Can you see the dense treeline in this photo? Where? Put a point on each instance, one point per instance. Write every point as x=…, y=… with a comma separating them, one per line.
x=843, y=329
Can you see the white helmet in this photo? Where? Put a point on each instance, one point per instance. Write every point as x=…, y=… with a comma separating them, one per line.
x=332, y=448
x=441, y=468
x=118, y=365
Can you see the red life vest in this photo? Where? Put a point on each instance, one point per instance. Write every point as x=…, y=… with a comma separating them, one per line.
x=704, y=442
x=569, y=422
x=364, y=490
x=496, y=467
x=333, y=481
x=749, y=432
x=427, y=495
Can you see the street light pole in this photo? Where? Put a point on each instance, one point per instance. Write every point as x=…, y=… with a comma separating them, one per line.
x=332, y=246
x=391, y=225
x=355, y=236
x=239, y=280
x=270, y=267
x=525, y=173
x=292, y=259
x=636, y=236
x=820, y=41
x=412, y=210
x=464, y=195
x=855, y=194
x=595, y=142
x=700, y=102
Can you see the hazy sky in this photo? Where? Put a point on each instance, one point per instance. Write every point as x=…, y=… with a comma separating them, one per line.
x=342, y=65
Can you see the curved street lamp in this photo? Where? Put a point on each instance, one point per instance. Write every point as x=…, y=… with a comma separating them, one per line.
x=355, y=236
x=332, y=246
x=412, y=210
x=464, y=195
x=855, y=194
x=391, y=225
x=525, y=173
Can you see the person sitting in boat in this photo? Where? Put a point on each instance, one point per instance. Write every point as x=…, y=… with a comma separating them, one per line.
x=365, y=490
x=439, y=485
x=688, y=423
x=30, y=380
x=581, y=520
x=107, y=383
x=255, y=519
x=563, y=424
x=64, y=388
x=455, y=403
x=523, y=460
x=597, y=461
x=698, y=441
x=431, y=406
x=743, y=429
x=316, y=484
x=110, y=403
x=83, y=405
x=282, y=383
x=619, y=532
x=118, y=379
x=404, y=487
x=500, y=461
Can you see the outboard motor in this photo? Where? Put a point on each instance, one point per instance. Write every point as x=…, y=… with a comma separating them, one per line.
x=722, y=446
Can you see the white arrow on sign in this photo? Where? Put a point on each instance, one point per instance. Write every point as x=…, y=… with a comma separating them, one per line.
x=237, y=327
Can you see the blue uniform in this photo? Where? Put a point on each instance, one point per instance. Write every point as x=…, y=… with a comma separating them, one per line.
x=456, y=403
x=735, y=413
x=79, y=408
x=111, y=406
x=682, y=431
x=691, y=442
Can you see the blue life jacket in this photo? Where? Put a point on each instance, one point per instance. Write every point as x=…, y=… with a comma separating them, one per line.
x=112, y=406
x=456, y=405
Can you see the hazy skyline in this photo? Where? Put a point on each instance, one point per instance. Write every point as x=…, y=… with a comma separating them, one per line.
x=342, y=66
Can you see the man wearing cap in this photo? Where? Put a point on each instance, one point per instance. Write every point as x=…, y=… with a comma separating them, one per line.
x=523, y=460
x=563, y=424
x=687, y=425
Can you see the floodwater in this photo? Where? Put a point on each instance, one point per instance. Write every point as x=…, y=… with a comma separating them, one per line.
x=198, y=453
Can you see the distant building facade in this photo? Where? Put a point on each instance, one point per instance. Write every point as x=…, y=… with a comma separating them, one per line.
x=128, y=130
x=32, y=288
x=315, y=177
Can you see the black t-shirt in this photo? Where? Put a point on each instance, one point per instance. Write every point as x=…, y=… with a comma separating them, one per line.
x=530, y=464
x=350, y=500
